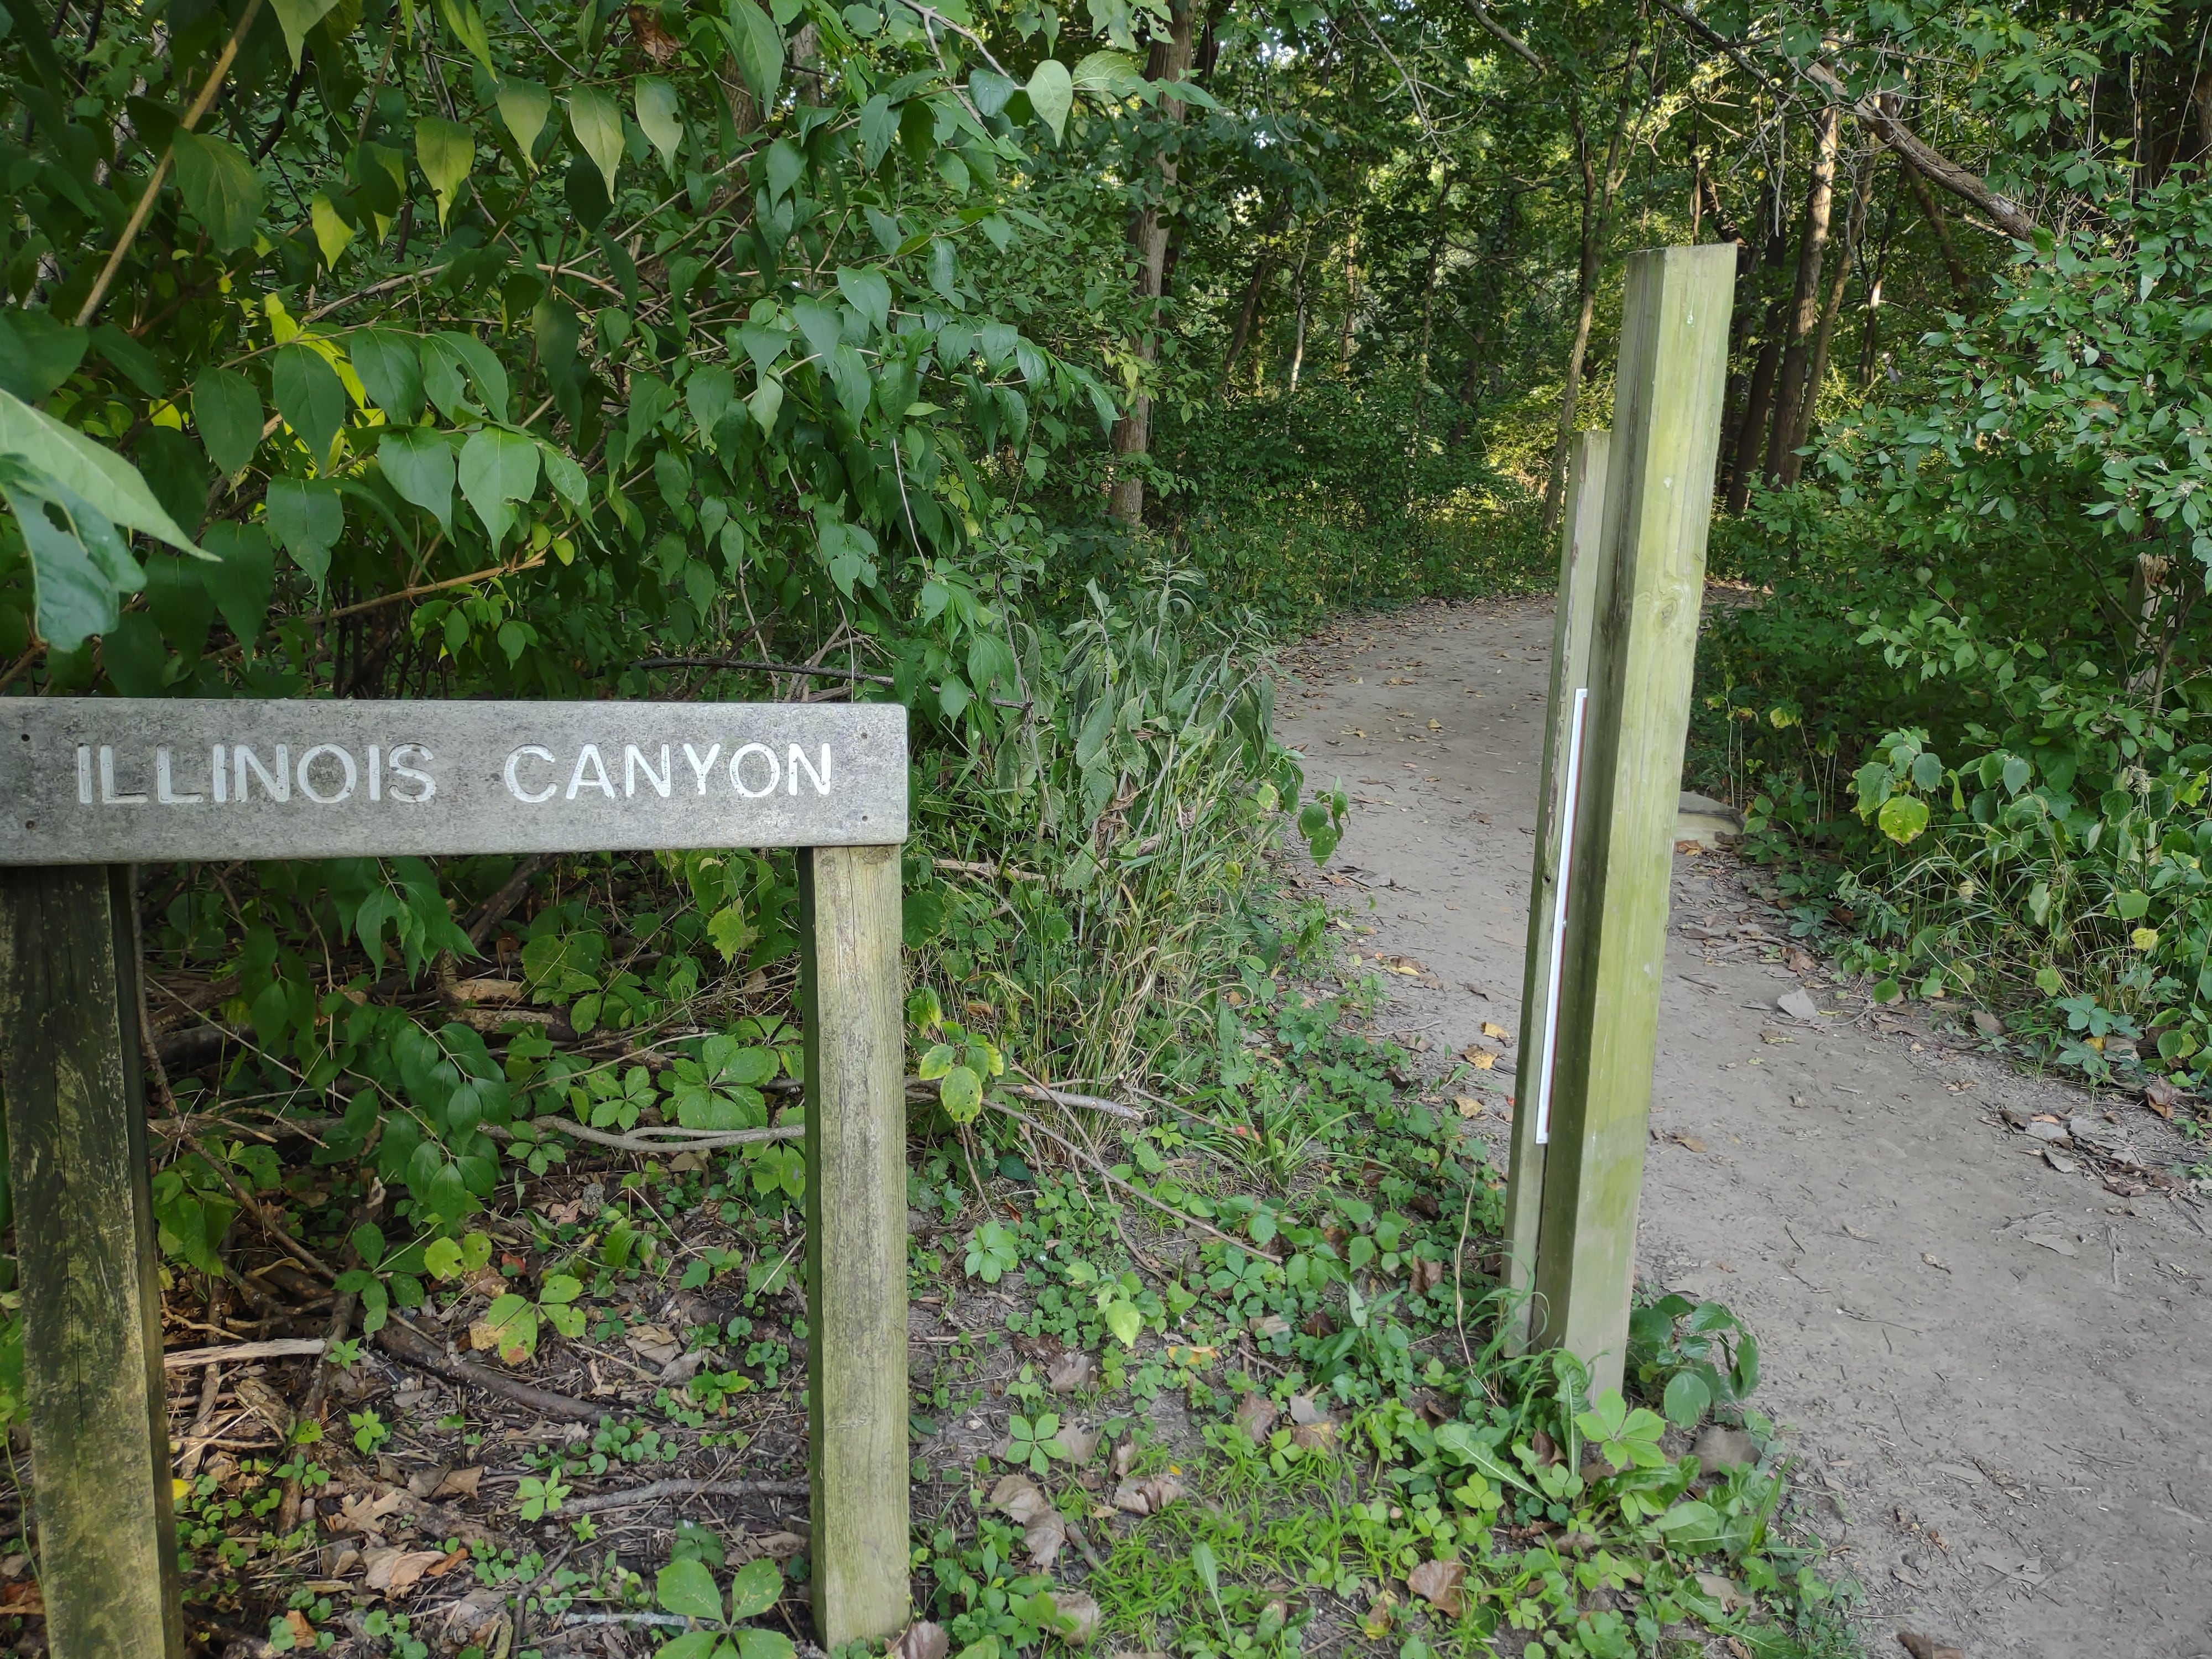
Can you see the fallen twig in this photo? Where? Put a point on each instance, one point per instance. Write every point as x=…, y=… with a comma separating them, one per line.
x=658, y=1490
x=238, y=1353
x=1244, y=1244
x=411, y=1349
x=665, y=1139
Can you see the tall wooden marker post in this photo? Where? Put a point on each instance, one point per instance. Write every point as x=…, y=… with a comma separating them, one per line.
x=90, y=787
x=1605, y=846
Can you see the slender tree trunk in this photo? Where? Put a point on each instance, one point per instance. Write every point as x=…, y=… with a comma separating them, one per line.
x=1805, y=302
x=1351, y=302
x=1962, y=281
x=1870, y=338
x=1148, y=241
x=1429, y=305
x=1854, y=229
x=1750, y=429
x=1600, y=187
x=1263, y=267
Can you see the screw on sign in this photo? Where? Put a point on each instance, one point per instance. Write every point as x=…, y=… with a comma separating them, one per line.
x=90, y=787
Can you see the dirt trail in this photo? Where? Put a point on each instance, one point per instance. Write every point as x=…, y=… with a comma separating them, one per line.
x=1996, y=1374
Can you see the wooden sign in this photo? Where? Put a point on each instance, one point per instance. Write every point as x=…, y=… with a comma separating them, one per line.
x=124, y=780
x=91, y=781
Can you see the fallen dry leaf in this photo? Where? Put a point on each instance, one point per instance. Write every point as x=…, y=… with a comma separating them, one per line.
x=1422, y=1276
x=1314, y=1436
x=1148, y=1496
x=655, y=1344
x=1080, y=1442
x=2161, y=1097
x=1304, y=1409
x=1017, y=1497
x=460, y=1483
x=1256, y=1415
x=424, y=1482
x=1469, y=1105
x=1724, y=1590
x=1124, y=1458
x=1375, y=1624
x=1478, y=1059
x=1439, y=1584
x=1081, y=1614
x=1688, y=1143
x=1926, y=1647
x=1073, y=1372
x=1492, y=1029
x=23, y=1601
x=922, y=1640
x=396, y=1572
x=1044, y=1538
x=364, y=1512
x=448, y=1563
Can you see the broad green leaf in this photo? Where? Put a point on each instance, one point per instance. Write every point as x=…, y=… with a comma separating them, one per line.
x=441, y=1259
x=757, y=1586
x=758, y=46
x=332, y=234
x=597, y=124
x=687, y=1588
x=1687, y=1400
x=565, y=476
x=523, y=105
x=137, y=364
x=79, y=564
x=1052, y=95
x=37, y=352
x=91, y=471
x=220, y=187
x=308, y=518
x=1903, y=818
x=1123, y=1319
x=310, y=396
x=961, y=1093
x=391, y=371
x=786, y=163
x=709, y=394
x=462, y=18
x=419, y=464
x=449, y=356
x=511, y=1321
x=1109, y=76
x=445, y=150
x=498, y=467
x=227, y=409
x=692, y=1644
x=767, y=402
x=296, y=18
x=1457, y=1442
x=754, y=1643
x=869, y=293
x=243, y=576
x=660, y=119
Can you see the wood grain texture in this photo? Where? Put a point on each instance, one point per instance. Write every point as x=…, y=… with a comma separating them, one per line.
x=84, y=1231
x=1666, y=439
x=1580, y=550
x=856, y=1305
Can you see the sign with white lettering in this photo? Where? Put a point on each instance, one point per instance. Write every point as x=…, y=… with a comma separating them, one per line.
x=128, y=780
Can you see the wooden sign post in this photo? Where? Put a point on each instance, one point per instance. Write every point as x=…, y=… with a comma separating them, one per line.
x=1580, y=1125
x=92, y=785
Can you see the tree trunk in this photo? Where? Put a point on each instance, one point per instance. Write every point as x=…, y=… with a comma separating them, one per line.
x=1148, y=241
x=1351, y=302
x=1870, y=339
x=1805, y=302
x=1792, y=463
x=1598, y=189
x=1298, y=329
x=1263, y=267
x=1962, y=282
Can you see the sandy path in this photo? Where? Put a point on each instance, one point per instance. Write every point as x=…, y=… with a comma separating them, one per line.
x=1998, y=1375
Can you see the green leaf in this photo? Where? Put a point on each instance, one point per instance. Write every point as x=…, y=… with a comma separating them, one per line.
x=869, y=293
x=391, y=372
x=687, y=1588
x=1125, y=1321
x=445, y=151
x=660, y=116
x=513, y=1323
x=37, y=352
x=497, y=467
x=1903, y=818
x=89, y=469
x=332, y=234
x=447, y=356
x=757, y=1586
x=441, y=1259
x=227, y=409
x=1109, y=76
x=243, y=576
x=308, y=517
x=1687, y=1400
x=419, y=464
x=758, y=46
x=78, y=562
x=555, y=1289
x=461, y=17
x=220, y=187
x=1457, y=1442
x=786, y=162
x=766, y=402
x=758, y=1644
x=961, y=1094
x=310, y=396
x=692, y=1644
x=597, y=124
x=296, y=18
x=523, y=105
x=1052, y=95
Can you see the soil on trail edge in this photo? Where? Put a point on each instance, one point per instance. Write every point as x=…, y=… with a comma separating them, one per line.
x=1994, y=1374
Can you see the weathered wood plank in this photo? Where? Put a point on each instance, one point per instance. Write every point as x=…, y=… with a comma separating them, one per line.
x=1666, y=438
x=856, y=1303
x=117, y=780
x=1580, y=548
x=84, y=1232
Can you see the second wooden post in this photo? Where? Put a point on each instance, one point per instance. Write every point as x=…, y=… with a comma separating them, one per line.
x=1650, y=585
x=856, y=1309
